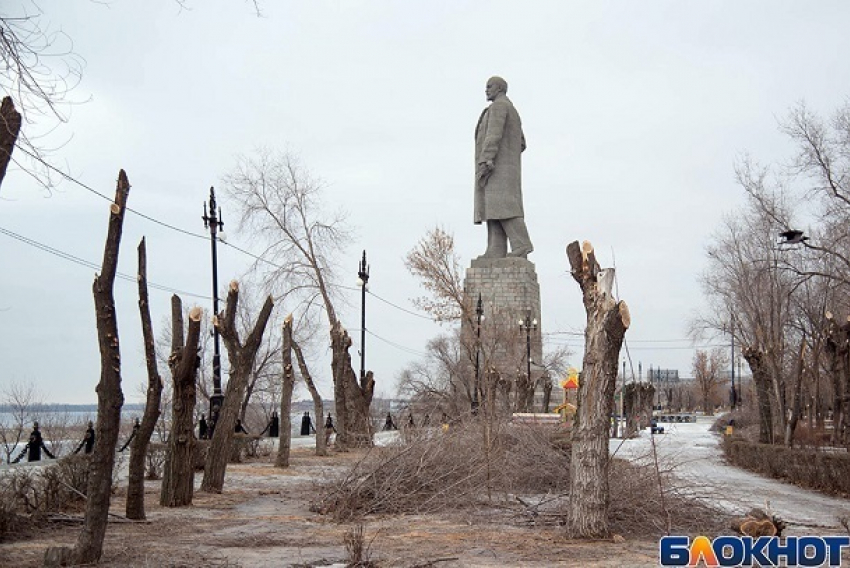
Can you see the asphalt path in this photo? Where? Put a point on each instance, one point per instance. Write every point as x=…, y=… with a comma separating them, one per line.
x=693, y=454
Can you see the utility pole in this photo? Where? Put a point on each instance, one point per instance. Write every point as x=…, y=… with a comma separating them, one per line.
x=214, y=223
x=363, y=280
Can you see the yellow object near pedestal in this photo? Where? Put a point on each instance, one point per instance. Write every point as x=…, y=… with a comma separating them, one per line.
x=729, y=430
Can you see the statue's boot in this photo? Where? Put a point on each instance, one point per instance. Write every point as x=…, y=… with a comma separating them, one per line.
x=497, y=241
x=521, y=253
x=516, y=231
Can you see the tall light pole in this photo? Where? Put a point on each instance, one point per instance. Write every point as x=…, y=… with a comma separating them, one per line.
x=363, y=280
x=214, y=223
x=479, y=312
x=528, y=325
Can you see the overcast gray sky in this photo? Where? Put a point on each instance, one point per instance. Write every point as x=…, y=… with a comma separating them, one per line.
x=634, y=113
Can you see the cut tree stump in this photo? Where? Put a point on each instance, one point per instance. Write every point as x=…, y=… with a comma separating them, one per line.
x=607, y=322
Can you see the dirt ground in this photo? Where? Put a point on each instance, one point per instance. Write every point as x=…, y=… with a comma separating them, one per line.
x=263, y=519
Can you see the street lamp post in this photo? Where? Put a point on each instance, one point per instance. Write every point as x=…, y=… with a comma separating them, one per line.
x=363, y=280
x=528, y=325
x=479, y=312
x=214, y=223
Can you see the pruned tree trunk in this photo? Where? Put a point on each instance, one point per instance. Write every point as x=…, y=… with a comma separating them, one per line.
x=283, y=448
x=10, y=127
x=110, y=398
x=524, y=395
x=761, y=378
x=241, y=359
x=318, y=405
x=607, y=322
x=178, y=479
x=638, y=406
x=354, y=426
x=547, y=395
x=839, y=369
x=135, y=507
x=797, y=403
x=778, y=384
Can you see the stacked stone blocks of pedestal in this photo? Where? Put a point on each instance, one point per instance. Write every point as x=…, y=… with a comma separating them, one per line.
x=508, y=288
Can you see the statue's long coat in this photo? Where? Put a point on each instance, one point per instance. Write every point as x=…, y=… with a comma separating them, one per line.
x=499, y=137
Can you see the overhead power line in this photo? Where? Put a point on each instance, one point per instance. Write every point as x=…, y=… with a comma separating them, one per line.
x=152, y=219
x=396, y=306
x=397, y=346
x=89, y=264
x=74, y=180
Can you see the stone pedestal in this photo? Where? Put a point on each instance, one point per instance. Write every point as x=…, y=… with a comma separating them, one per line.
x=509, y=289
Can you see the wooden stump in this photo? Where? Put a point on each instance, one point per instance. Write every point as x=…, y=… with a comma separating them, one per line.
x=607, y=322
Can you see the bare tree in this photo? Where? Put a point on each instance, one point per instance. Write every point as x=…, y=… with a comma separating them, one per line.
x=265, y=373
x=10, y=127
x=110, y=398
x=135, y=506
x=241, y=357
x=751, y=293
x=498, y=345
x=819, y=176
x=178, y=476
x=708, y=367
x=281, y=206
x=607, y=322
x=22, y=402
x=40, y=69
x=441, y=379
x=437, y=266
x=318, y=404
x=288, y=380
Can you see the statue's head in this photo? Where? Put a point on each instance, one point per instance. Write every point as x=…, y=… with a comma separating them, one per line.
x=495, y=85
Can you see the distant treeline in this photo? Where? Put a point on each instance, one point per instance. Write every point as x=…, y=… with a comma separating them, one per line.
x=71, y=408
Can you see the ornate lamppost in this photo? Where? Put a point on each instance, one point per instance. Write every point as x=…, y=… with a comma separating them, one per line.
x=214, y=223
x=528, y=325
x=363, y=280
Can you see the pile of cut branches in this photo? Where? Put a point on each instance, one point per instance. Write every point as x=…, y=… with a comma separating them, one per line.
x=520, y=474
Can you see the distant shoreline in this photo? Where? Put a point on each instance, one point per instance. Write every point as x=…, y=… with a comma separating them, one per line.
x=75, y=408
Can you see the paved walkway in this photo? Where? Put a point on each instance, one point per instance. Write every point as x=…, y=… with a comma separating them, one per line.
x=696, y=458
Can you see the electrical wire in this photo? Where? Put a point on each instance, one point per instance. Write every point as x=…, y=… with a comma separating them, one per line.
x=396, y=306
x=246, y=252
x=88, y=264
x=397, y=346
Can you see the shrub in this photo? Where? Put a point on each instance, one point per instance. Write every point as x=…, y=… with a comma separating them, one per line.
x=806, y=467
